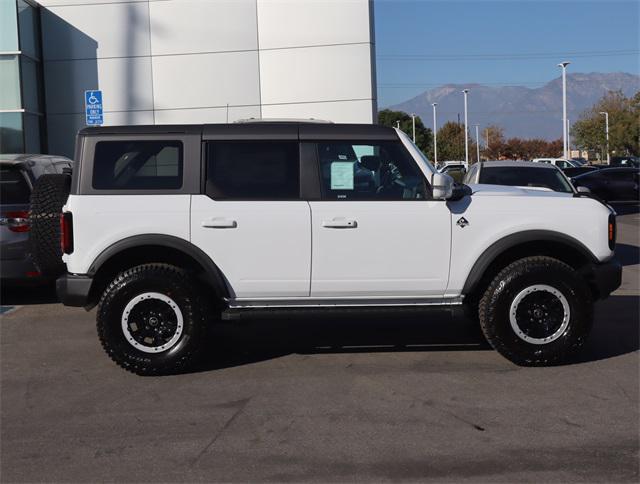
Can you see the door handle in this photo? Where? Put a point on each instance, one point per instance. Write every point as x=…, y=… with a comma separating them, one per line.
x=340, y=223
x=219, y=223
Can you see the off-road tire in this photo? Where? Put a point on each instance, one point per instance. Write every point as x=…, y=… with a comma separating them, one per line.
x=49, y=194
x=496, y=302
x=168, y=280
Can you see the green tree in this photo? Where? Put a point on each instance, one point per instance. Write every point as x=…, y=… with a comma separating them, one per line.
x=451, y=142
x=624, y=125
x=424, y=135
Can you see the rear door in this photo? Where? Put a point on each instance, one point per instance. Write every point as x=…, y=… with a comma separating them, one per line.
x=376, y=233
x=251, y=220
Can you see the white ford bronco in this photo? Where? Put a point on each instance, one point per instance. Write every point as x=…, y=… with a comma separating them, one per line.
x=167, y=229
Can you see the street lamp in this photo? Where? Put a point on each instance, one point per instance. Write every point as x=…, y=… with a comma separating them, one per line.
x=606, y=129
x=477, y=143
x=435, y=135
x=413, y=124
x=466, y=129
x=564, y=107
x=569, y=136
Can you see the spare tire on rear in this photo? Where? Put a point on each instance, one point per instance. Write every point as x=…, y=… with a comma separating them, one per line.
x=49, y=194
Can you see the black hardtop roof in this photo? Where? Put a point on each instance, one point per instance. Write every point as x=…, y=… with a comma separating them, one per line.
x=264, y=130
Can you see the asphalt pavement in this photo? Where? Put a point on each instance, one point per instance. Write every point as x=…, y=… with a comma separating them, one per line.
x=361, y=399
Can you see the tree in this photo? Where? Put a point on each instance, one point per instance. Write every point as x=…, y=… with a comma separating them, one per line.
x=624, y=125
x=493, y=137
x=424, y=135
x=451, y=142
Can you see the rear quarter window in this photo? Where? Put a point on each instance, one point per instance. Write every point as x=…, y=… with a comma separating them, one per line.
x=138, y=165
x=14, y=188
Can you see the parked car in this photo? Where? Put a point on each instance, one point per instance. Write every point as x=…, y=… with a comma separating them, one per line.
x=455, y=170
x=629, y=161
x=575, y=171
x=519, y=173
x=611, y=184
x=167, y=229
x=18, y=175
x=559, y=162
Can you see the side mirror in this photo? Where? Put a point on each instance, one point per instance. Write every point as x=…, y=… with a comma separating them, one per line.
x=442, y=186
x=583, y=190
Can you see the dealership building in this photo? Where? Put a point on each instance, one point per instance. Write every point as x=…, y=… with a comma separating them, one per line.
x=180, y=61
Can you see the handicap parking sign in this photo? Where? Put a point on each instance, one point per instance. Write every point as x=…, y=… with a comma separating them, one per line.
x=93, y=108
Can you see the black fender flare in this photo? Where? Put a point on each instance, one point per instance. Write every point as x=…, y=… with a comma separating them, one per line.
x=492, y=252
x=213, y=274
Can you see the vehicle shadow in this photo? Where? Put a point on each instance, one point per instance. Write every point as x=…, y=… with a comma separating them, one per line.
x=22, y=295
x=246, y=342
x=615, y=333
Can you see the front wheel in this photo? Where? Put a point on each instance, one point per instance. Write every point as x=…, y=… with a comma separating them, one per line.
x=537, y=311
x=152, y=319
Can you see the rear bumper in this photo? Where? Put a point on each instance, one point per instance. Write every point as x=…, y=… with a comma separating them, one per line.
x=605, y=277
x=73, y=289
x=19, y=270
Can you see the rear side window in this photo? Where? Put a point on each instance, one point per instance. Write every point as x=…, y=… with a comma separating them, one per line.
x=253, y=170
x=139, y=165
x=13, y=187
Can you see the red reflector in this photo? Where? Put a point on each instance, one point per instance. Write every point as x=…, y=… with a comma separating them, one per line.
x=16, y=221
x=33, y=274
x=66, y=232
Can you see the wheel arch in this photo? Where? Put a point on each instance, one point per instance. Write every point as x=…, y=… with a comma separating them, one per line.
x=147, y=248
x=523, y=244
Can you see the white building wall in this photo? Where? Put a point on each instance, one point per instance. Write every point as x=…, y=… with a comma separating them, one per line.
x=207, y=61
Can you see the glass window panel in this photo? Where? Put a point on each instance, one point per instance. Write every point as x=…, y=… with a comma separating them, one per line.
x=30, y=91
x=32, y=133
x=27, y=21
x=11, y=133
x=9, y=82
x=8, y=26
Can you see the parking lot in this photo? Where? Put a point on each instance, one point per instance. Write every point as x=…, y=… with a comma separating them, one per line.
x=361, y=399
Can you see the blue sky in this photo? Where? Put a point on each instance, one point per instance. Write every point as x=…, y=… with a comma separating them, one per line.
x=593, y=30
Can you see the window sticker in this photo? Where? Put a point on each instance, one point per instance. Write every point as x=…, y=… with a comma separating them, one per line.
x=342, y=174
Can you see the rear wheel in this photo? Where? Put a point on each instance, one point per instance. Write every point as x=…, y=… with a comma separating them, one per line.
x=152, y=319
x=537, y=311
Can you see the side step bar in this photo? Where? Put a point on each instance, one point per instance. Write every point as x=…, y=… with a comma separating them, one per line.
x=238, y=310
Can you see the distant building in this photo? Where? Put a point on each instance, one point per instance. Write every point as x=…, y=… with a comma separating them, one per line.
x=180, y=61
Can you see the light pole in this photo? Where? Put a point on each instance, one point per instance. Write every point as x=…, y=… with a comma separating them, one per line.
x=564, y=106
x=569, y=136
x=435, y=134
x=606, y=130
x=466, y=129
x=413, y=124
x=477, y=144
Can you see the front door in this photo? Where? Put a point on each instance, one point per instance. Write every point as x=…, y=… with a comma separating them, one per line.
x=376, y=233
x=251, y=221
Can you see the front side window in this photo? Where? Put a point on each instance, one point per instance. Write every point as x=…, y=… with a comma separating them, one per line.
x=253, y=170
x=369, y=171
x=138, y=165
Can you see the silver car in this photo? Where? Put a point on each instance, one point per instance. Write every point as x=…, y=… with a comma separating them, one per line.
x=18, y=173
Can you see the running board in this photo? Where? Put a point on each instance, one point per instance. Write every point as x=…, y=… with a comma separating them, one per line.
x=259, y=309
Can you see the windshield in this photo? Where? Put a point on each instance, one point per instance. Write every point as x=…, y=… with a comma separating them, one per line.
x=577, y=163
x=526, y=177
x=427, y=167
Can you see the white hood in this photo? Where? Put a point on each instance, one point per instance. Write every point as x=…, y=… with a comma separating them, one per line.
x=505, y=191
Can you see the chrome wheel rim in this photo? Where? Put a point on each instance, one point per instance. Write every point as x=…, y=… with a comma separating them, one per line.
x=152, y=322
x=539, y=314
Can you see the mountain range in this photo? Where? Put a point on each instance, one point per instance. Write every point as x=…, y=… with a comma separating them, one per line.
x=522, y=112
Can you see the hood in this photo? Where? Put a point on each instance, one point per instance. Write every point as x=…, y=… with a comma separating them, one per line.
x=506, y=191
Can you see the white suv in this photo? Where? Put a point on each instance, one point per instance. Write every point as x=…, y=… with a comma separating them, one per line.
x=169, y=228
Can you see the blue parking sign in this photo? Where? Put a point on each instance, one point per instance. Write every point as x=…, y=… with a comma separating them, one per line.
x=93, y=108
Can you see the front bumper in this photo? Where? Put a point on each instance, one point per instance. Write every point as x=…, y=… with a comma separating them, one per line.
x=605, y=277
x=73, y=289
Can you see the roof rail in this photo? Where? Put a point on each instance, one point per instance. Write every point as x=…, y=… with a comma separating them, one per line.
x=283, y=120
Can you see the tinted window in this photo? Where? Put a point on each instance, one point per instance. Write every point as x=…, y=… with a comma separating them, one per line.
x=364, y=171
x=525, y=177
x=13, y=187
x=139, y=165
x=253, y=170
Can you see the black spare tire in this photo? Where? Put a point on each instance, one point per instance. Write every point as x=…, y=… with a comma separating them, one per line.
x=49, y=194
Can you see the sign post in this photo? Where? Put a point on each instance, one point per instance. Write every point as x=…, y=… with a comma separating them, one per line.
x=93, y=108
